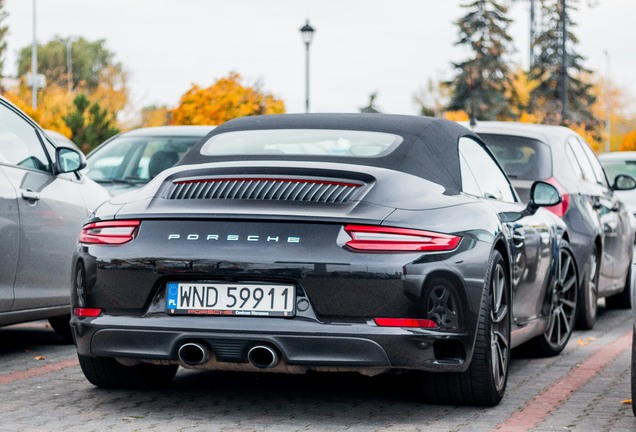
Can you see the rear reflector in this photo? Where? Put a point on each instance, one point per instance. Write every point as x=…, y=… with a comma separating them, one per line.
x=109, y=232
x=405, y=322
x=385, y=239
x=87, y=312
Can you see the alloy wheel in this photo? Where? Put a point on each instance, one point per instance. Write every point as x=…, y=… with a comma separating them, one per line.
x=563, y=304
x=442, y=307
x=499, y=327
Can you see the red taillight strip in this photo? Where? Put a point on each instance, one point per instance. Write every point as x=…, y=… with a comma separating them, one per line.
x=109, y=232
x=405, y=322
x=87, y=312
x=561, y=208
x=259, y=179
x=378, y=238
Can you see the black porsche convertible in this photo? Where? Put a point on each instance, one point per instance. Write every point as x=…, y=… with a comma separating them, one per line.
x=326, y=242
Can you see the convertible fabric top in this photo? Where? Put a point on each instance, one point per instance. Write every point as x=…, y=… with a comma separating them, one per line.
x=429, y=149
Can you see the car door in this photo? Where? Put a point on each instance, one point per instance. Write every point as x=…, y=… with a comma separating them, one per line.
x=9, y=232
x=599, y=198
x=51, y=213
x=618, y=233
x=532, y=236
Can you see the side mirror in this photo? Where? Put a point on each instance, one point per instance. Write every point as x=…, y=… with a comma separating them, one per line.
x=68, y=160
x=624, y=182
x=544, y=194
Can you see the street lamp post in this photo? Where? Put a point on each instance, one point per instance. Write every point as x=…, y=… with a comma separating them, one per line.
x=34, y=65
x=69, y=65
x=609, y=106
x=307, y=32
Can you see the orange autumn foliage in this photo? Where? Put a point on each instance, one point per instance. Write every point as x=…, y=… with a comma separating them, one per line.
x=224, y=100
x=629, y=142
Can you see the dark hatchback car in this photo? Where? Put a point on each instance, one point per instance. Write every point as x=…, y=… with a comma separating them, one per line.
x=295, y=243
x=44, y=202
x=131, y=159
x=601, y=228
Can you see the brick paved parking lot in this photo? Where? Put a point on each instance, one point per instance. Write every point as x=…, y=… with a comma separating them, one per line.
x=583, y=389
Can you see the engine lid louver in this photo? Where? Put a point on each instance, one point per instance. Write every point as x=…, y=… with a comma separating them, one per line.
x=268, y=189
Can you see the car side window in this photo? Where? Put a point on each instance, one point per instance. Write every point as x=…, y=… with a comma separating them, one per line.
x=596, y=165
x=488, y=177
x=469, y=184
x=574, y=163
x=19, y=142
x=583, y=160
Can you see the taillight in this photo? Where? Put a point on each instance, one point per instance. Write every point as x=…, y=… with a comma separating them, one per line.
x=385, y=239
x=109, y=232
x=561, y=208
x=87, y=312
x=405, y=322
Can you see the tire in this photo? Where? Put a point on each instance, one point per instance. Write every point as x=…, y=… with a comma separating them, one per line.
x=622, y=300
x=588, y=295
x=484, y=383
x=562, y=315
x=62, y=326
x=106, y=372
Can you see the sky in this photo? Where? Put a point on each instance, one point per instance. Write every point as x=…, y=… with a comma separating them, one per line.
x=360, y=47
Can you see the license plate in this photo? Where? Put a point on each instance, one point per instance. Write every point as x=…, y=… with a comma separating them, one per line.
x=203, y=298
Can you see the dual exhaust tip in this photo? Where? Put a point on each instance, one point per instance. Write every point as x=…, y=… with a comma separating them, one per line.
x=260, y=356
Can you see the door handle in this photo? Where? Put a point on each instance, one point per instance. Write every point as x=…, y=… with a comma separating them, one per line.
x=518, y=238
x=29, y=195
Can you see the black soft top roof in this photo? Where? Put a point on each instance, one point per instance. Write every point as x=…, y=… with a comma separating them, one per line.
x=429, y=149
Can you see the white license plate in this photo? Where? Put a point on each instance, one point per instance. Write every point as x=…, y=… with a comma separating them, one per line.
x=208, y=298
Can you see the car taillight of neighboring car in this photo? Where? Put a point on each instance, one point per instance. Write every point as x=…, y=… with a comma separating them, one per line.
x=368, y=238
x=561, y=208
x=109, y=232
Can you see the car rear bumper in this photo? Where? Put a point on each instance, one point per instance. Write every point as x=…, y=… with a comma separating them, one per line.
x=311, y=345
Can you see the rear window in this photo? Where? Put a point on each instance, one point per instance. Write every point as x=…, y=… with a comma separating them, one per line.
x=521, y=158
x=307, y=142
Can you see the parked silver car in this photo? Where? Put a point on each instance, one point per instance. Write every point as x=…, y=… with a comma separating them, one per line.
x=44, y=202
x=602, y=232
x=616, y=163
x=131, y=159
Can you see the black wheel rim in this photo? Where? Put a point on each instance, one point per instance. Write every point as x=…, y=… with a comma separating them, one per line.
x=80, y=284
x=442, y=307
x=592, y=297
x=563, y=304
x=500, y=326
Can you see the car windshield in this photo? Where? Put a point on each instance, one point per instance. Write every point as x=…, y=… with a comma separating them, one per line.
x=521, y=158
x=616, y=167
x=318, y=142
x=137, y=159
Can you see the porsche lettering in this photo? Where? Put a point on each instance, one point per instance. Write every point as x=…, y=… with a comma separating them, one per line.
x=235, y=237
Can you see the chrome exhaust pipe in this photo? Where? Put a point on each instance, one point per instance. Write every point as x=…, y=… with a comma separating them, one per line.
x=193, y=354
x=262, y=357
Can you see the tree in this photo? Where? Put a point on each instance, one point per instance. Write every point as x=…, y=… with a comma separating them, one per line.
x=549, y=71
x=3, y=42
x=155, y=116
x=90, y=124
x=480, y=85
x=371, y=108
x=88, y=61
x=224, y=100
x=629, y=142
x=433, y=98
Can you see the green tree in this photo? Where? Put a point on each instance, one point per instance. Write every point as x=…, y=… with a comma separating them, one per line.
x=548, y=70
x=3, y=42
x=480, y=86
x=88, y=61
x=90, y=124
